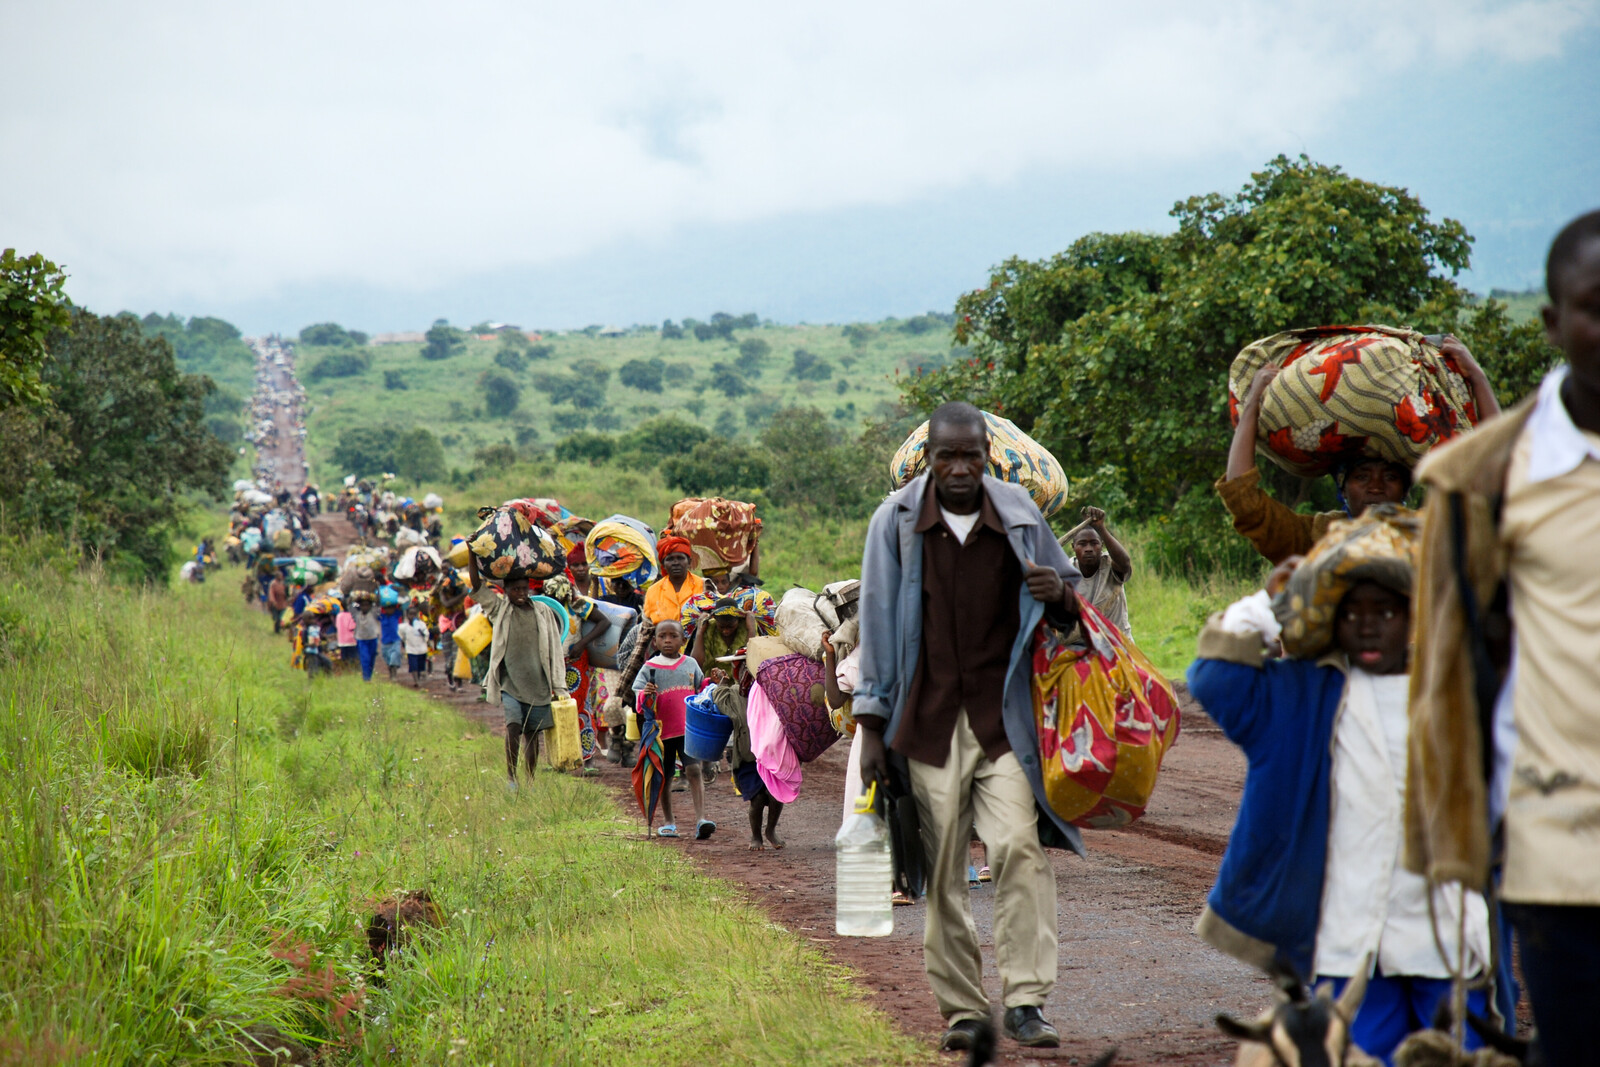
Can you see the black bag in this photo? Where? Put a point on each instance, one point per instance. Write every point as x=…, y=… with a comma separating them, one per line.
x=899, y=810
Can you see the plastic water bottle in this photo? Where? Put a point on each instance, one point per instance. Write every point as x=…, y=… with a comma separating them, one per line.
x=865, y=873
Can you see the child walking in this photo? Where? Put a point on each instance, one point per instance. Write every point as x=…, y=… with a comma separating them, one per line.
x=729, y=696
x=414, y=636
x=667, y=680
x=1312, y=873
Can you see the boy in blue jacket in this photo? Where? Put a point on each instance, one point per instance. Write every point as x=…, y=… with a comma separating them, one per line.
x=1312, y=873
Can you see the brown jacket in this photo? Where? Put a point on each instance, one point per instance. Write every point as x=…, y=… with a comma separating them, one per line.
x=1276, y=530
x=1447, y=814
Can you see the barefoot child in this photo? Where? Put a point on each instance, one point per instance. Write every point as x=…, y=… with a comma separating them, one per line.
x=414, y=636
x=667, y=680
x=1312, y=872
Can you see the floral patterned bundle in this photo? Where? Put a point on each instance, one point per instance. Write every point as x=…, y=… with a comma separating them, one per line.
x=1352, y=392
x=1105, y=717
x=510, y=545
x=1013, y=457
x=723, y=532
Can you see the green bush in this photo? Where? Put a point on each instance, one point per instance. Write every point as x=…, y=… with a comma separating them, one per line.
x=339, y=365
x=592, y=447
x=718, y=467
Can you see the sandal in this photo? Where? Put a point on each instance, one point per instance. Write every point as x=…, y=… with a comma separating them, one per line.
x=669, y=830
x=704, y=829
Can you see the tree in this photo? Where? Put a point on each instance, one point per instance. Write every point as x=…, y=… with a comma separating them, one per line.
x=810, y=367
x=643, y=375
x=671, y=331
x=584, y=445
x=753, y=352
x=814, y=469
x=1114, y=353
x=339, y=365
x=717, y=467
x=123, y=436
x=33, y=305
x=500, y=456
x=329, y=334
x=501, y=394
x=418, y=456
x=858, y=334
x=443, y=341
x=726, y=379
x=393, y=379
x=921, y=324
x=541, y=351
x=592, y=371
x=366, y=450
x=666, y=436
x=509, y=358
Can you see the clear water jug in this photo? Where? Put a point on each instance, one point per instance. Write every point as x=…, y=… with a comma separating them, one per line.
x=865, y=872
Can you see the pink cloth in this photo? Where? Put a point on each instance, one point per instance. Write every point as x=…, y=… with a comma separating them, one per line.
x=344, y=624
x=775, y=759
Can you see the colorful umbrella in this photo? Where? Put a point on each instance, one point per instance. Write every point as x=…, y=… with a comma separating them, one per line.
x=648, y=773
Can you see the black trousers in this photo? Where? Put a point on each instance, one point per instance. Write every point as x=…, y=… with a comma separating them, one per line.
x=1561, y=965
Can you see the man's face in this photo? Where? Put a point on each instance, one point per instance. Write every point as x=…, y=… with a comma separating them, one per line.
x=1374, y=482
x=1573, y=323
x=1373, y=628
x=669, y=639
x=517, y=593
x=957, y=455
x=676, y=564
x=579, y=569
x=1087, y=548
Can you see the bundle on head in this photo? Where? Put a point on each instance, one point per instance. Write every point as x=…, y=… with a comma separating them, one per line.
x=393, y=915
x=1301, y=1030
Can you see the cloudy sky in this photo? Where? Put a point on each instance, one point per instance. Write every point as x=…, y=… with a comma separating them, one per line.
x=383, y=164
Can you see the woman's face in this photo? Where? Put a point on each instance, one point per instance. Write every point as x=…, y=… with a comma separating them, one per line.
x=1373, y=628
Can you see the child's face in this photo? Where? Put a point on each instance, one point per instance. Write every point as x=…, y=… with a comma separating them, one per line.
x=669, y=639
x=728, y=625
x=517, y=592
x=1573, y=323
x=1373, y=628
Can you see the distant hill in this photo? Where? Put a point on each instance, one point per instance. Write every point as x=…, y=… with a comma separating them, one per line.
x=1521, y=306
x=731, y=382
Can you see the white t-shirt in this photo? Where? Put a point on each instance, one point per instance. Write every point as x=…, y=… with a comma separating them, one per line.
x=961, y=524
x=414, y=636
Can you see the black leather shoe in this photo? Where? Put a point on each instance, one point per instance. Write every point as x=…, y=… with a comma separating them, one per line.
x=966, y=1034
x=1026, y=1026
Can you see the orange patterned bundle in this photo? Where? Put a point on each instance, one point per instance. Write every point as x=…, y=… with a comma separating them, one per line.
x=723, y=532
x=1106, y=717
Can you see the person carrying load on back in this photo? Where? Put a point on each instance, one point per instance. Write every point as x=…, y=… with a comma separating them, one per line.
x=957, y=567
x=527, y=664
x=1278, y=531
x=664, y=600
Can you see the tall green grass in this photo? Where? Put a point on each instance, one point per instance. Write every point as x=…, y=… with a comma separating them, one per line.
x=192, y=837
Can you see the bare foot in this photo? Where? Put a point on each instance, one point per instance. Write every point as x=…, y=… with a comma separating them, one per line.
x=773, y=838
x=756, y=844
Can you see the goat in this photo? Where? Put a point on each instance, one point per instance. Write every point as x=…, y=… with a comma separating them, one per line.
x=1301, y=1030
x=1435, y=1047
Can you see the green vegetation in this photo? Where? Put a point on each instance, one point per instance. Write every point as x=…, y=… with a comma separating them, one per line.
x=1114, y=353
x=120, y=435
x=1522, y=306
x=195, y=836
x=572, y=382
x=33, y=303
x=208, y=346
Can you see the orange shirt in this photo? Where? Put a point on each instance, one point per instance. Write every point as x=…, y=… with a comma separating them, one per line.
x=662, y=602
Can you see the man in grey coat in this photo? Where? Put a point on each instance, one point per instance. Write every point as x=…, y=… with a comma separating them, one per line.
x=959, y=570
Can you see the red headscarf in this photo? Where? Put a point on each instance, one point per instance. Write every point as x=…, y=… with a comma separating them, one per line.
x=577, y=555
x=673, y=543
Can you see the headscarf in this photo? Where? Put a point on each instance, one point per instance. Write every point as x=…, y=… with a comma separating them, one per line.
x=1381, y=546
x=576, y=554
x=558, y=588
x=673, y=543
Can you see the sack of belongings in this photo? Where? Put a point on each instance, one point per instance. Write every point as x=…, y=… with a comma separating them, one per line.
x=803, y=615
x=751, y=598
x=793, y=684
x=1352, y=392
x=1105, y=717
x=1381, y=546
x=622, y=547
x=509, y=545
x=722, y=532
x=1013, y=457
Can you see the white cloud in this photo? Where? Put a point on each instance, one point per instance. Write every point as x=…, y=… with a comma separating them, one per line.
x=200, y=149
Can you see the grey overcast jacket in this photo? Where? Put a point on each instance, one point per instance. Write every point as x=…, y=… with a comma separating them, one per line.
x=891, y=624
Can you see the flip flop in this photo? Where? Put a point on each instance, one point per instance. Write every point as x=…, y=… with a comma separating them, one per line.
x=669, y=830
x=704, y=829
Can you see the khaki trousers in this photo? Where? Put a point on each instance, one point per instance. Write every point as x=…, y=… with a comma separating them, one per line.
x=970, y=788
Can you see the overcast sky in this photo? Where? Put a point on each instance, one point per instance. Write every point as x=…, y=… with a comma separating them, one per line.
x=383, y=164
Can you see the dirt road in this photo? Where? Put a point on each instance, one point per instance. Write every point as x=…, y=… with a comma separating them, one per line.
x=1132, y=972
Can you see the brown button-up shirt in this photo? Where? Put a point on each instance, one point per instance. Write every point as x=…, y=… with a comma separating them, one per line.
x=970, y=616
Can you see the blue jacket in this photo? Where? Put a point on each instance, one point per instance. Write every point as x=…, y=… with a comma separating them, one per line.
x=1282, y=713
x=1268, y=896
x=891, y=624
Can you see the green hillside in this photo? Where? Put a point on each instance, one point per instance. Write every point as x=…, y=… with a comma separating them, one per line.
x=1521, y=307
x=731, y=384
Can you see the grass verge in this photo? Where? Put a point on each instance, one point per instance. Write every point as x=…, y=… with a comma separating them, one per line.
x=192, y=837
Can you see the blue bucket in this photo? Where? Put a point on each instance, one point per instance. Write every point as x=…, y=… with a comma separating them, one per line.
x=706, y=730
